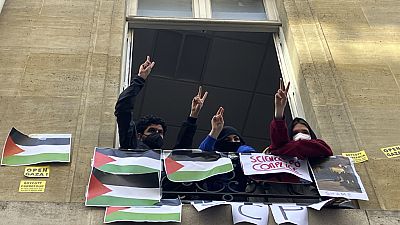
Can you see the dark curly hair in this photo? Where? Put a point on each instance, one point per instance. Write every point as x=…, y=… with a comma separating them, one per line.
x=147, y=120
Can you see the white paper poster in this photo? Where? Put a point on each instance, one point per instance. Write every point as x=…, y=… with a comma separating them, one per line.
x=250, y=213
x=259, y=163
x=319, y=205
x=202, y=205
x=336, y=177
x=289, y=213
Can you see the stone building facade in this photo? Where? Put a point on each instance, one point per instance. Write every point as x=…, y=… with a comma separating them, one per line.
x=61, y=66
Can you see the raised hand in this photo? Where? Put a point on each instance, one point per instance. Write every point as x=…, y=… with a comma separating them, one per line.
x=145, y=68
x=217, y=123
x=197, y=103
x=281, y=99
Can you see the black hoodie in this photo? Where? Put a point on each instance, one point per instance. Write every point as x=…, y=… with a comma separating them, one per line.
x=225, y=146
x=301, y=121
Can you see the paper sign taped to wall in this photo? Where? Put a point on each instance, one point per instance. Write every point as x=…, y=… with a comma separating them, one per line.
x=259, y=163
x=391, y=152
x=319, y=205
x=358, y=157
x=201, y=205
x=255, y=213
x=32, y=186
x=37, y=171
x=288, y=213
x=336, y=176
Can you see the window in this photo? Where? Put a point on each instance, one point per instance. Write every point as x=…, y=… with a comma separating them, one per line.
x=233, y=49
x=238, y=9
x=165, y=8
x=215, y=53
x=240, y=70
x=250, y=10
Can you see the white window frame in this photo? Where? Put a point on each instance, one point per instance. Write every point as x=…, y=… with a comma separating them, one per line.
x=202, y=21
x=286, y=66
x=1, y=4
x=202, y=9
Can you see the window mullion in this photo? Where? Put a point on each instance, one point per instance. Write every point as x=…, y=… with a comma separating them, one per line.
x=270, y=9
x=208, y=8
x=196, y=8
x=204, y=7
x=132, y=7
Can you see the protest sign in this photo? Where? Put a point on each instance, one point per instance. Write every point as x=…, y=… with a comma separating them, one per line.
x=250, y=212
x=107, y=189
x=192, y=165
x=289, y=213
x=118, y=161
x=167, y=210
x=32, y=186
x=391, y=152
x=358, y=157
x=21, y=149
x=336, y=177
x=37, y=171
x=259, y=163
x=201, y=205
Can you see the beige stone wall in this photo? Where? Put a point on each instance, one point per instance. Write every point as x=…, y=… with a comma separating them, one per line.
x=59, y=72
x=346, y=59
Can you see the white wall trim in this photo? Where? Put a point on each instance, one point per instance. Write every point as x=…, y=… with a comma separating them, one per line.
x=2, y=4
x=125, y=69
x=295, y=103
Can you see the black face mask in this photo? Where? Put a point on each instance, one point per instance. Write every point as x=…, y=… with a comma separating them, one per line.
x=154, y=141
x=225, y=146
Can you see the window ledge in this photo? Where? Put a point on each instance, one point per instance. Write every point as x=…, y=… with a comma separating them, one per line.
x=203, y=24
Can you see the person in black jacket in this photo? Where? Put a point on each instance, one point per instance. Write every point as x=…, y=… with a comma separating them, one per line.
x=149, y=132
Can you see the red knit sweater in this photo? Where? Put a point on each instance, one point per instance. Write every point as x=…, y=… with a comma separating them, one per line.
x=282, y=145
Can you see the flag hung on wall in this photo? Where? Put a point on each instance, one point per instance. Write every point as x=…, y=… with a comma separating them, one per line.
x=107, y=189
x=21, y=149
x=168, y=210
x=127, y=162
x=192, y=165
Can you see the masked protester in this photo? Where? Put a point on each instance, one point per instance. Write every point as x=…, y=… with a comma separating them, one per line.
x=223, y=138
x=149, y=131
x=297, y=141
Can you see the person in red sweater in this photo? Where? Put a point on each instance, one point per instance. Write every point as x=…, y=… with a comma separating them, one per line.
x=297, y=141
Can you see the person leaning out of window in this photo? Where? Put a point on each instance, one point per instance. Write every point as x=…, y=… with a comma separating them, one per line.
x=299, y=140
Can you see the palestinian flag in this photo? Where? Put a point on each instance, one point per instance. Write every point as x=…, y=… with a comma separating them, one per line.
x=127, y=162
x=168, y=210
x=190, y=165
x=21, y=149
x=107, y=189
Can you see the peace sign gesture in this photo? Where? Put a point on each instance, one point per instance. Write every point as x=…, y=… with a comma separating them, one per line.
x=217, y=123
x=197, y=103
x=281, y=99
x=145, y=68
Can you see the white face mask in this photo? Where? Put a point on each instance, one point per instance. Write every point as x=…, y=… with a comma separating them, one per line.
x=301, y=136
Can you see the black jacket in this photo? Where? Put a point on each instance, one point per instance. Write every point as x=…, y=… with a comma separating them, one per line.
x=126, y=124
